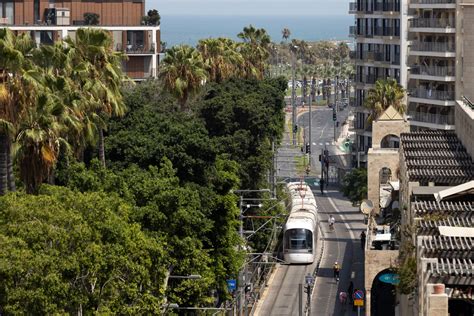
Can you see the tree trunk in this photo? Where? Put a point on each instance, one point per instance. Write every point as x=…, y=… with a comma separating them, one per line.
x=10, y=174
x=101, y=147
x=3, y=163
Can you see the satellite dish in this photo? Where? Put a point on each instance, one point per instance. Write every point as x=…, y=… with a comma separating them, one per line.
x=366, y=206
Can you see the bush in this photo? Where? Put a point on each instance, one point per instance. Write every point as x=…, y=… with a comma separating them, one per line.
x=354, y=185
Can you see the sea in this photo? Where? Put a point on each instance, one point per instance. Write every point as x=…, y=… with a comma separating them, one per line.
x=189, y=29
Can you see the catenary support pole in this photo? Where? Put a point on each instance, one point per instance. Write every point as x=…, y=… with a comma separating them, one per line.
x=300, y=298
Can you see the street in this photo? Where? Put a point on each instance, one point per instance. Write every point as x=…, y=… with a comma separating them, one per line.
x=342, y=245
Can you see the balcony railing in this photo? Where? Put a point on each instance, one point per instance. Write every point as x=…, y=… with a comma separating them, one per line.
x=433, y=1
x=352, y=30
x=352, y=6
x=387, y=6
x=433, y=71
x=434, y=47
x=136, y=49
x=432, y=94
x=433, y=23
x=432, y=118
x=369, y=79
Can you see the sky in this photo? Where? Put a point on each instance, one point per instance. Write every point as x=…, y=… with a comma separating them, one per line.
x=250, y=7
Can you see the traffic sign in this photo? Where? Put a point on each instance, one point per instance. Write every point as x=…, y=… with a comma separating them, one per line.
x=358, y=302
x=231, y=285
x=358, y=295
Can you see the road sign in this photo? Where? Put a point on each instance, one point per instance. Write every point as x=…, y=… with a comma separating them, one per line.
x=358, y=295
x=231, y=285
x=358, y=302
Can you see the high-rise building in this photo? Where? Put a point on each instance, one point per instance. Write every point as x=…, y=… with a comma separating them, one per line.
x=49, y=20
x=378, y=55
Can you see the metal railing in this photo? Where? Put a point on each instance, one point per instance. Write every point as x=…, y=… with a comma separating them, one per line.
x=433, y=23
x=468, y=102
x=432, y=94
x=432, y=118
x=387, y=6
x=433, y=1
x=136, y=48
x=433, y=70
x=352, y=30
x=434, y=47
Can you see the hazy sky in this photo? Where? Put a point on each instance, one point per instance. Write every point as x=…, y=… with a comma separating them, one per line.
x=250, y=7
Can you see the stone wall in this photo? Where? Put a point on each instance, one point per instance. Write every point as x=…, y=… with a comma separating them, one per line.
x=375, y=262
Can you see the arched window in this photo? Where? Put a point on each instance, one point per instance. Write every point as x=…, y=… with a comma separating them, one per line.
x=390, y=141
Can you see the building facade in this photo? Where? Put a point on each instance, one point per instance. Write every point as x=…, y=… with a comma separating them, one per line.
x=421, y=44
x=48, y=21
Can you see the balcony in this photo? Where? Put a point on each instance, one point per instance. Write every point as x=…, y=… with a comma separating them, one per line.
x=420, y=72
x=136, y=49
x=352, y=7
x=387, y=7
x=433, y=25
x=352, y=31
x=433, y=4
x=439, y=119
x=434, y=47
x=440, y=95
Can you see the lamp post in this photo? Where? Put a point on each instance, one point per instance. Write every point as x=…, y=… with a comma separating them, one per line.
x=293, y=91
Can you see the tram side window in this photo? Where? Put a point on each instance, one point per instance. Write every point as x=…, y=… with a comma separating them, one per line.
x=299, y=239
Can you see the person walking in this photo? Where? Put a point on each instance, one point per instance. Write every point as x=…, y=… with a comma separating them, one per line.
x=350, y=290
x=331, y=222
x=336, y=269
x=362, y=240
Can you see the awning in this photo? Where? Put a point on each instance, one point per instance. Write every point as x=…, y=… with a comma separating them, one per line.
x=395, y=185
x=451, y=231
x=465, y=188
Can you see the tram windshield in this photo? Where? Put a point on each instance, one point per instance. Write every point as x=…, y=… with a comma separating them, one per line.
x=299, y=239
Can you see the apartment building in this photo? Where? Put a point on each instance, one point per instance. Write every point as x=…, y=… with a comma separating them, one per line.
x=50, y=20
x=378, y=55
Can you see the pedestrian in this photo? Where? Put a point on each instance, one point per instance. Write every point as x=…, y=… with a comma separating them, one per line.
x=336, y=268
x=350, y=290
x=321, y=185
x=362, y=240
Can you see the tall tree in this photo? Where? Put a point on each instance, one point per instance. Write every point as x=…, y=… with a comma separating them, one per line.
x=17, y=89
x=183, y=72
x=255, y=50
x=221, y=57
x=103, y=80
x=385, y=93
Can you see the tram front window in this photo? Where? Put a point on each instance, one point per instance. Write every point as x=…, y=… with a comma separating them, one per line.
x=299, y=240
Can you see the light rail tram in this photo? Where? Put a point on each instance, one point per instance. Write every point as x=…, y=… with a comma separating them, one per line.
x=300, y=232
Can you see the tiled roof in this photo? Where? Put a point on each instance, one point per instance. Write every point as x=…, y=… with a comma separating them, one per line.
x=436, y=156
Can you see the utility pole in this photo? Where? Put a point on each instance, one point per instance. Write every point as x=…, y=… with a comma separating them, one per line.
x=310, y=119
x=293, y=92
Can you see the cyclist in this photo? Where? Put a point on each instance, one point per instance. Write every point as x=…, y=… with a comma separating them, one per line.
x=336, y=268
x=343, y=297
x=331, y=222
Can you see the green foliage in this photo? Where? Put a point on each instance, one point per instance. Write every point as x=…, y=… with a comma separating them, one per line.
x=91, y=18
x=243, y=117
x=63, y=252
x=152, y=18
x=354, y=185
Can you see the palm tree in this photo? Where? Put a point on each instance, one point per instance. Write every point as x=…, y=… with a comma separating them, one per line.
x=255, y=50
x=221, y=57
x=386, y=93
x=183, y=72
x=17, y=83
x=285, y=33
x=103, y=77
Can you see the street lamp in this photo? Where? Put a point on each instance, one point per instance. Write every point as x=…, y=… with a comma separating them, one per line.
x=293, y=49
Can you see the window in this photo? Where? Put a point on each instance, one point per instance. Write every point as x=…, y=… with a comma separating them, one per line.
x=298, y=239
x=7, y=11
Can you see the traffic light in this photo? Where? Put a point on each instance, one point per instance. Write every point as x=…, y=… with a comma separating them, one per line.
x=295, y=128
x=334, y=117
x=308, y=148
x=320, y=157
